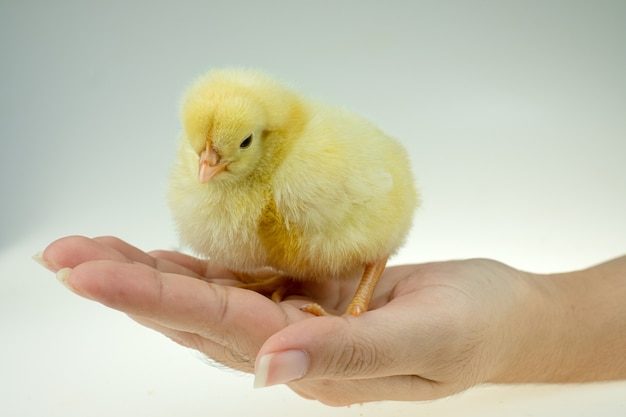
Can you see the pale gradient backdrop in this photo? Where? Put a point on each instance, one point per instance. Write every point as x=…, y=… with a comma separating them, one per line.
x=514, y=113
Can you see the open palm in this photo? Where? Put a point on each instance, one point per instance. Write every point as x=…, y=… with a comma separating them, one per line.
x=429, y=333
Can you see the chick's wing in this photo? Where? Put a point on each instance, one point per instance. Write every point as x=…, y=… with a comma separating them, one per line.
x=339, y=169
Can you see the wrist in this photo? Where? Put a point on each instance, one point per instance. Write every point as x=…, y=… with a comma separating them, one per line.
x=571, y=327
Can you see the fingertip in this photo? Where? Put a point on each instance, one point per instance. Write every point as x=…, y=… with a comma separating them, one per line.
x=261, y=371
x=39, y=258
x=66, y=251
x=63, y=275
x=280, y=368
x=326, y=341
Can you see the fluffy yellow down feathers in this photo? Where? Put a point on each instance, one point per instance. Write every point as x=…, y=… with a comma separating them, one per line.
x=267, y=178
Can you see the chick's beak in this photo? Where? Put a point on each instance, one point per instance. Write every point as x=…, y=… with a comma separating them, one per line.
x=209, y=164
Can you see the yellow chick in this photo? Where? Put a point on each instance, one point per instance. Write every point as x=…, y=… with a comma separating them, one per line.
x=265, y=178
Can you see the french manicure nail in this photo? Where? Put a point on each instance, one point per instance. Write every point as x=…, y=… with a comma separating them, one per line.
x=62, y=275
x=38, y=257
x=280, y=368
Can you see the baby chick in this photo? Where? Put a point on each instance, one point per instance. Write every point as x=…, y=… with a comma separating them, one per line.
x=265, y=178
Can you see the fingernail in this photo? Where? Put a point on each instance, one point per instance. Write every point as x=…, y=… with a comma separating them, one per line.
x=280, y=368
x=38, y=257
x=62, y=275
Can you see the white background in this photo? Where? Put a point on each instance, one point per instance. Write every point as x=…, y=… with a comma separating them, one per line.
x=514, y=113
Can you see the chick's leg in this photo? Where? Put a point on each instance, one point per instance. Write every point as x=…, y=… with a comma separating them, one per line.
x=363, y=294
x=365, y=290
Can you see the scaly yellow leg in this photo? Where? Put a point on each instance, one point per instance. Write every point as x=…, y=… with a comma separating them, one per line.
x=365, y=290
x=363, y=294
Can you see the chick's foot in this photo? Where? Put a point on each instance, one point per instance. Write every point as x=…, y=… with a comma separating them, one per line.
x=275, y=287
x=315, y=309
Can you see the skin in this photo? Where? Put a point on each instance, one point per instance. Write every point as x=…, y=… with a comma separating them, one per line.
x=433, y=329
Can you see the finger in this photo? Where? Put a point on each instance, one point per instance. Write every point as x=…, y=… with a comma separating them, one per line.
x=225, y=315
x=134, y=254
x=131, y=252
x=71, y=251
x=193, y=264
x=200, y=267
x=68, y=252
x=346, y=360
x=392, y=340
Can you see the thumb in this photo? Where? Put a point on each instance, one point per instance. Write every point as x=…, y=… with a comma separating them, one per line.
x=344, y=347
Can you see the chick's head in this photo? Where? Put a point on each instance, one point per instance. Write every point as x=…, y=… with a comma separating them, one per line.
x=225, y=133
x=228, y=117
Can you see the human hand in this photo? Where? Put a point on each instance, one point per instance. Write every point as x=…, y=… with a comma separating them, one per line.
x=192, y=302
x=433, y=329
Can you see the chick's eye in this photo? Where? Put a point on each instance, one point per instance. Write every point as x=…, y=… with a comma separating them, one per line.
x=246, y=142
